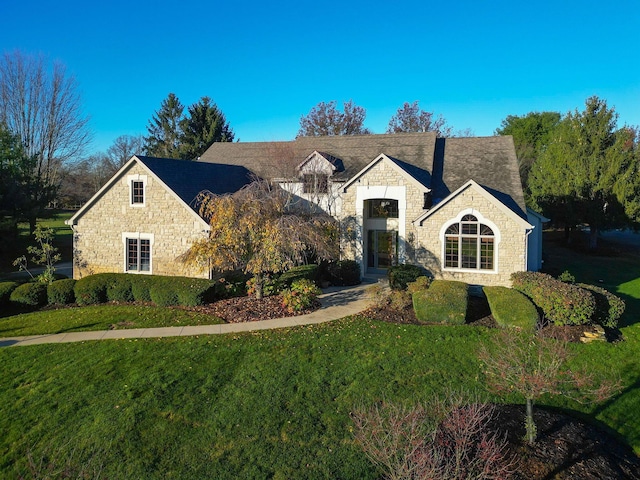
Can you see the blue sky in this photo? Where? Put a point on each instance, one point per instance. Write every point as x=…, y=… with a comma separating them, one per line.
x=267, y=63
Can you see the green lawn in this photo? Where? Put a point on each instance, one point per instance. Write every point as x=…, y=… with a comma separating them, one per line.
x=100, y=317
x=63, y=240
x=272, y=404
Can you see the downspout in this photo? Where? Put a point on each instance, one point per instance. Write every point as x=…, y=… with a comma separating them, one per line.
x=528, y=232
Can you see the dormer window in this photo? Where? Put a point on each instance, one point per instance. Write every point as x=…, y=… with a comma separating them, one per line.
x=315, y=183
x=137, y=193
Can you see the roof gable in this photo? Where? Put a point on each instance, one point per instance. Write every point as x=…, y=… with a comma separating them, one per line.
x=471, y=184
x=182, y=178
x=412, y=173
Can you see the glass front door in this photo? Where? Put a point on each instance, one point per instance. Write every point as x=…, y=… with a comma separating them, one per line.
x=382, y=249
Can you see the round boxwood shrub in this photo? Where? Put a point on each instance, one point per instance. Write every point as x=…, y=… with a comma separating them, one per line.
x=309, y=272
x=5, y=291
x=445, y=301
x=401, y=275
x=92, y=289
x=31, y=294
x=61, y=292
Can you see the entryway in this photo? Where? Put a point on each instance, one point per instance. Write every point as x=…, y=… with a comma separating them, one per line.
x=382, y=249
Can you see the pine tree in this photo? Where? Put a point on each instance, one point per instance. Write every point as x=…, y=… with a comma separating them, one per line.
x=204, y=125
x=165, y=129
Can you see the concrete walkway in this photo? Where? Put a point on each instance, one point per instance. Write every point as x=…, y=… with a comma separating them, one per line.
x=337, y=302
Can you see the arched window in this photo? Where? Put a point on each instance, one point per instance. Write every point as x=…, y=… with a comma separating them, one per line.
x=469, y=244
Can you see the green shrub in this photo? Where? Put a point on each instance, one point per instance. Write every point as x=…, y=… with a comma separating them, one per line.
x=562, y=303
x=344, y=272
x=163, y=295
x=567, y=277
x=119, y=288
x=33, y=294
x=5, y=291
x=193, y=292
x=421, y=283
x=61, y=292
x=444, y=302
x=310, y=272
x=609, y=307
x=510, y=308
x=302, y=294
x=401, y=275
x=140, y=287
x=92, y=289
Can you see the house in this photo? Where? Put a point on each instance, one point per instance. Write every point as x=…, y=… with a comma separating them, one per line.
x=146, y=216
x=453, y=205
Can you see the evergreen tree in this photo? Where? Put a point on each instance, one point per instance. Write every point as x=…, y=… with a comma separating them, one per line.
x=531, y=134
x=589, y=171
x=204, y=125
x=165, y=131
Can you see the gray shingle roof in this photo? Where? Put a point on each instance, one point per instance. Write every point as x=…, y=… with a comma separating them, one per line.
x=441, y=164
x=187, y=179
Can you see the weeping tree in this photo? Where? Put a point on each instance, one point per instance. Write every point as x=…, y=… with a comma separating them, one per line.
x=260, y=229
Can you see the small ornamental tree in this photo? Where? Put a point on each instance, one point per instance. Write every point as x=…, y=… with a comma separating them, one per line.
x=260, y=229
x=532, y=366
x=44, y=253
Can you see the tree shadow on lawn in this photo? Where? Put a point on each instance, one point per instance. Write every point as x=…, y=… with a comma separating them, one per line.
x=615, y=266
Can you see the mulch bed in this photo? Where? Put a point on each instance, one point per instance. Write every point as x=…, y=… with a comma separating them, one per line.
x=249, y=309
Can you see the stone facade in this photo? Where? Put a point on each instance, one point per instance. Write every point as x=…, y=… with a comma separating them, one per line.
x=510, y=239
x=99, y=244
x=424, y=243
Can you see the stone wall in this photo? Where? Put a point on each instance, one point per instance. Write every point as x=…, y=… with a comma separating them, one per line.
x=510, y=241
x=98, y=242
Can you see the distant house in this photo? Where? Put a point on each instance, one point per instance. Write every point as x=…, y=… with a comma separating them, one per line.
x=454, y=206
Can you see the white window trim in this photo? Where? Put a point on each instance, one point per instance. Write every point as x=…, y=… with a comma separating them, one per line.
x=137, y=178
x=496, y=243
x=137, y=236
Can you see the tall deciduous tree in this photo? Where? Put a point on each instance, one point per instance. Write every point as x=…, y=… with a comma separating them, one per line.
x=259, y=230
x=165, y=131
x=531, y=134
x=410, y=118
x=325, y=120
x=123, y=148
x=204, y=125
x=43, y=108
x=589, y=171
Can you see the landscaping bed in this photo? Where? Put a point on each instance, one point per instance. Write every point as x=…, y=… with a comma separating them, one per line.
x=250, y=309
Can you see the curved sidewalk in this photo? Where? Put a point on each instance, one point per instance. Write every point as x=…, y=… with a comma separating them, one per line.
x=337, y=302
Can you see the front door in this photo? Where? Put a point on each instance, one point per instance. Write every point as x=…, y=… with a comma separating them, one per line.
x=382, y=249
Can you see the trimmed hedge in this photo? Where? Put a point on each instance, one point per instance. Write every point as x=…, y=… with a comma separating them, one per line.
x=5, y=291
x=444, y=302
x=609, y=307
x=302, y=272
x=510, y=308
x=163, y=291
x=61, y=292
x=344, y=272
x=33, y=294
x=401, y=275
x=561, y=303
x=420, y=283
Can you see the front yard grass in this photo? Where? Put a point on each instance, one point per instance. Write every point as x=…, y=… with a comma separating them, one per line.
x=100, y=317
x=269, y=404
